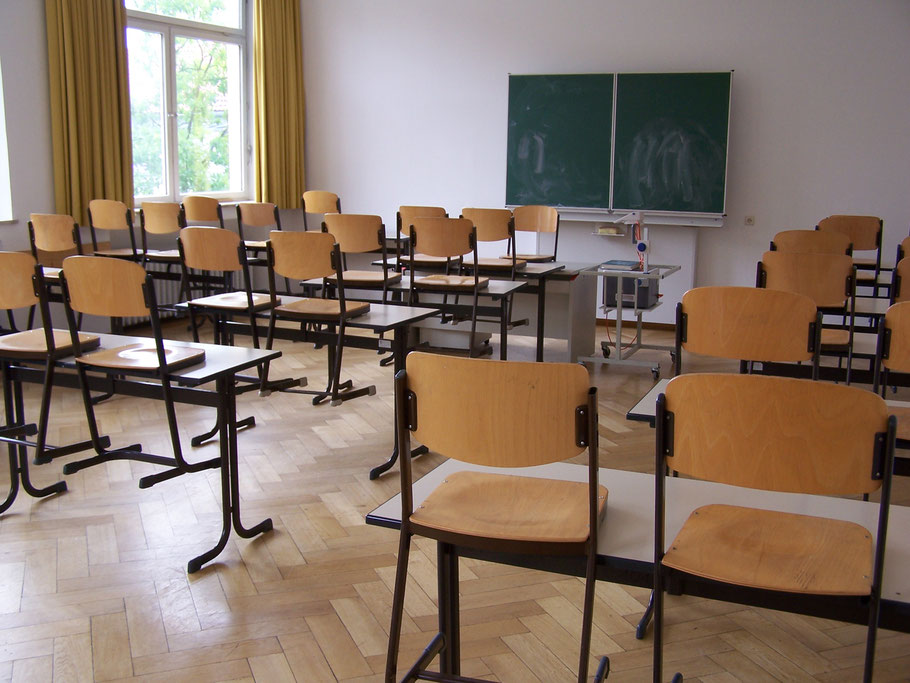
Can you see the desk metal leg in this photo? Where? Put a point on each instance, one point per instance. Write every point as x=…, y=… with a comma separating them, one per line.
x=504, y=328
x=399, y=350
x=541, y=316
x=14, y=434
x=230, y=488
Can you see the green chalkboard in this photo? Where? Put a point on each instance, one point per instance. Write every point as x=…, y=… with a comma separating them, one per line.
x=671, y=141
x=559, y=140
x=668, y=146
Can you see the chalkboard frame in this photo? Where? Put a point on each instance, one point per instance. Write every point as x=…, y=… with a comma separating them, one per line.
x=717, y=141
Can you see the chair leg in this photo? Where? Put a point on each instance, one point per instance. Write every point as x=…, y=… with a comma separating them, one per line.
x=870, y=639
x=658, y=596
x=401, y=579
x=587, y=618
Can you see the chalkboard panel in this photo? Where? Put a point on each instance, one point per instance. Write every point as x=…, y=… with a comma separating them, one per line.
x=671, y=141
x=559, y=140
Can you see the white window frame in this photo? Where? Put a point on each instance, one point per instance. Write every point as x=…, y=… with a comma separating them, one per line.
x=171, y=28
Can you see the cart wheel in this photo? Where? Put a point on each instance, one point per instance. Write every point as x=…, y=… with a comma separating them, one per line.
x=655, y=372
x=673, y=357
x=605, y=349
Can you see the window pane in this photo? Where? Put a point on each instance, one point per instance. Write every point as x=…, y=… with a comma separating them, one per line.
x=146, y=71
x=209, y=124
x=220, y=12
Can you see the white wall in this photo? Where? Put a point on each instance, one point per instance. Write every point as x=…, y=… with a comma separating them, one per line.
x=407, y=102
x=23, y=55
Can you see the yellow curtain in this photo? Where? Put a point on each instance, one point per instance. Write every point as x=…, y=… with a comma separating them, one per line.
x=278, y=113
x=90, y=106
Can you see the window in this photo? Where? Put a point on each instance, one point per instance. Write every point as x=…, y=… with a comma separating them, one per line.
x=188, y=98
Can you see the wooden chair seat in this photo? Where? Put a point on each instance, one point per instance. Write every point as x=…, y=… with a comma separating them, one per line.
x=496, y=263
x=499, y=506
x=321, y=309
x=835, y=337
x=232, y=301
x=167, y=255
x=530, y=258
x=366, y=277
x=124, y=252
x=143, y=356
x=32, y=344
x=426, y=260
x=774, y=551
x=901, y=410
x=439, y=281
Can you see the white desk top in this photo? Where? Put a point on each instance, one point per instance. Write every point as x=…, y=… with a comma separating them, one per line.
x=628, y=530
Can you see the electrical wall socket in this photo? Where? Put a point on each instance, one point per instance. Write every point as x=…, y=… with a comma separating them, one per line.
x=750, y=220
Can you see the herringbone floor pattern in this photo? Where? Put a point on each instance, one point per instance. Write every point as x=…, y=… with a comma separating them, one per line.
x=93, y=583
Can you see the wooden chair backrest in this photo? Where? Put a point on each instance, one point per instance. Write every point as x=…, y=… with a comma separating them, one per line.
x=210, y=249
x=775, y=433
x=103, y=286
x=16, y=271
x=822, y=277
x=902, y=276
x=903, y=249
x=449, y=237
x=319, y=201
x=302, y=255
x=747, y=323
x=199, y=208
x=536, y=218
x=257, y=214
x=161, y=218
x=493, y=225
x=108, y=214
x=897, y=320
x=498, y=413
x=864, y=231
x=407, y=214
x=53, y=231
x=355, y=233
x=812, y=241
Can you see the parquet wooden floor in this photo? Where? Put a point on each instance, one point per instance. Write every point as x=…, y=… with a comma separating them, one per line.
x=93, y=583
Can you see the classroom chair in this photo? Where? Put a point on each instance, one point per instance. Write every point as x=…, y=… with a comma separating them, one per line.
x=812, y=241
x=748, y=324
x=160, y=218
x=41, y=347
x=899, y=276
x=114, y=217
x=201, y=209
x=108, y=287
x=361, y=234
x=893, y=355
x=539, y=220
x=53, y=237
x=449, y=240
x=494, y=225
x=404, y=217
x=210, y=258
x=829, y=280
x=768, y=433
x=261, y=217
x=865, y=233
x=319, y=201
x=305, y=256
x=527, y=414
